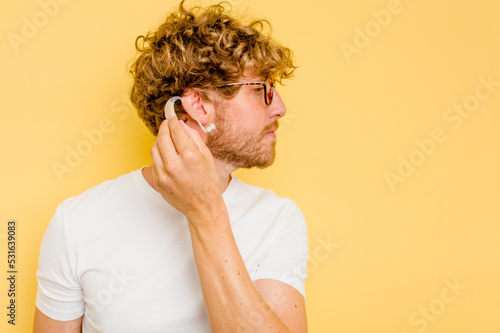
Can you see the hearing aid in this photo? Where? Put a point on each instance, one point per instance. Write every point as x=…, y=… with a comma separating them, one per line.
x=170, y=112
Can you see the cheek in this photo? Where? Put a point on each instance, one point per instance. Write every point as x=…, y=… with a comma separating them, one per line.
x=252, y=122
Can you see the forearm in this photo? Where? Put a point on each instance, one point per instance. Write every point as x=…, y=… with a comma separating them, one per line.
x=232, y=301
x=185, y=174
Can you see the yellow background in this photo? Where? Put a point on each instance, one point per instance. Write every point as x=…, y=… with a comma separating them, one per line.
x=351, y=119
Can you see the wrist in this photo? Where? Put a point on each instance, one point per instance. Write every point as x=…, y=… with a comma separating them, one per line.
x=213, y=215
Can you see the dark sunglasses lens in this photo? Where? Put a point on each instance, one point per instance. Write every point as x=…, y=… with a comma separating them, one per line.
x=269, y=91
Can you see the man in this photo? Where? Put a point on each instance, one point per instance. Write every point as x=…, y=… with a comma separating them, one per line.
x=182, y=245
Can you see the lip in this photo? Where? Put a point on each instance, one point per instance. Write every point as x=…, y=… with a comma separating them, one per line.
x=271, y=134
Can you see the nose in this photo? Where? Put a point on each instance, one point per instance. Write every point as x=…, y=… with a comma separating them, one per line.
x=277, y=109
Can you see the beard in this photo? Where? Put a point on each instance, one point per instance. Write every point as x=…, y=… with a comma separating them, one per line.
x=241, y=148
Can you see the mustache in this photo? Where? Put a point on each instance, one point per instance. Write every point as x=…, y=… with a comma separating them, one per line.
x=271, y=127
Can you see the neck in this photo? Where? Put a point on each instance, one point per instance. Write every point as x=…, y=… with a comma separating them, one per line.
x=224, y=171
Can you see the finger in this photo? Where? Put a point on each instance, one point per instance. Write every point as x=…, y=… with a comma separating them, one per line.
x=158, y=165
x=179, y=136
x=195, y=137
x=185, y=137
x=164, y=142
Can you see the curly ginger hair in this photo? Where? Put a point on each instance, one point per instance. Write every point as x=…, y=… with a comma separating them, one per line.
x=202, y=49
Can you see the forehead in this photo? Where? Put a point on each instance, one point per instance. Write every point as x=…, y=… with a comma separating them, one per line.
x=251, y=75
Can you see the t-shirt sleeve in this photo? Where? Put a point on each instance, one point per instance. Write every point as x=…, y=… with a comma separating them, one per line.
x=59, y=294
x=288, y=255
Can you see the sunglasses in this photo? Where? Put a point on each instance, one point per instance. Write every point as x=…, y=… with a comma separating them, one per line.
x=268, y=88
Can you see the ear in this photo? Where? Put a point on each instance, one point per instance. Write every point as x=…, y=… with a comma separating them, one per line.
x=202, y=108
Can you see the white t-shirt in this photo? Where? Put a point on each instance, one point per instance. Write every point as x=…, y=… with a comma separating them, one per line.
x=121, y=255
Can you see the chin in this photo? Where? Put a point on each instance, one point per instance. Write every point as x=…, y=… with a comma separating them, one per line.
x=244, y=155
x=260, y=162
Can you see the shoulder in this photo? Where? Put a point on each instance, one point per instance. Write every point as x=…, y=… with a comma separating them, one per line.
x=256, y=194
x=263, y=202
x=103, y=194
